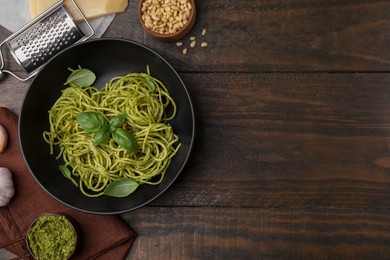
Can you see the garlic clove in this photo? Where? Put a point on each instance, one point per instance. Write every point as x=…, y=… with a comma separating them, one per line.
x=7, y=189
x=4, y=201
x=3, y=138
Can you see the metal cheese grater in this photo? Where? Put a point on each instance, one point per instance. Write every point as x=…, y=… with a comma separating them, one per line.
x=39, y=40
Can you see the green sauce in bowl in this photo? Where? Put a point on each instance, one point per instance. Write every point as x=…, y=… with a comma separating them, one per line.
x=52, y=237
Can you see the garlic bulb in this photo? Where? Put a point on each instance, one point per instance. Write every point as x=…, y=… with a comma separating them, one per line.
x=7, y=189
x=3, y=138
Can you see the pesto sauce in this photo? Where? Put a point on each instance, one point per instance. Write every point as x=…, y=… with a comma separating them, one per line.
x=52, y=237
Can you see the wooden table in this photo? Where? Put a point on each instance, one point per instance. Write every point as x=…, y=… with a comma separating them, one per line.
x=292, y=151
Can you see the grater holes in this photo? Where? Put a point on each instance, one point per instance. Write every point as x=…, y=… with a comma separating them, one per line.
x=45, y=38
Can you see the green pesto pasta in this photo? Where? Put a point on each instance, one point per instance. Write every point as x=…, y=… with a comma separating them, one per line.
x=144, y=100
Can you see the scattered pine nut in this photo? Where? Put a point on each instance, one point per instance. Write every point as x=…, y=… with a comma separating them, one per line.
x=193, y=43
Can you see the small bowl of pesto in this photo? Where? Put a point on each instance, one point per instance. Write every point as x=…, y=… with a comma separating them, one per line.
x=53, y=236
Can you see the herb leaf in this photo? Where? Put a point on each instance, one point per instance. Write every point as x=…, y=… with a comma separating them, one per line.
x=125, y=139
x=150, y=82
x=81, y=77
x=117, y=121
x=65, y=171
x=94, y=122
x=90, y=121
x=102, y=135
x=121, y=188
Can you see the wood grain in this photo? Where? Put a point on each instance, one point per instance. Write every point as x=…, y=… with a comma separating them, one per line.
x=247, y=233
x=292, y=151
x=288, y=140
x=277, y=35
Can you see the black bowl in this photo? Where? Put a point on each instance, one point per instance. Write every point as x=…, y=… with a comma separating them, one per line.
x=107, y=58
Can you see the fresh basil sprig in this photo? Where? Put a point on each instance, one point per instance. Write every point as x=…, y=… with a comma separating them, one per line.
x=121, y=188
x=81, y=77
x=150, y=82
x=93, y=122
x=125, y=139
x=67, y=173
x=102, y=135
x=90, y=121
x=117, y=121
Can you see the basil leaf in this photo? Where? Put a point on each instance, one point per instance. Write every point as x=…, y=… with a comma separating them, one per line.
x=90, y=121
x=121, y=188
x=117, y=121
x=125, y=139
x=150, y=82
x=81, y=77
x=65, y=171
x=102, y=135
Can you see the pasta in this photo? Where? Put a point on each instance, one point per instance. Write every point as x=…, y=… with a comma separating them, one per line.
x=144, y=100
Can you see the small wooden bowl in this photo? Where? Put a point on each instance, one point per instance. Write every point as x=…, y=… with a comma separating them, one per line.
x=170, y=37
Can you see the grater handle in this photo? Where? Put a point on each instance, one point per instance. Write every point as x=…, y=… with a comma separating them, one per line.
x=2, y=64
x=92, y=31
x=2, y=76
x=2, y=71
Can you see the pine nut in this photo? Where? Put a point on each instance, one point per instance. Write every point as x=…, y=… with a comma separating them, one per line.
x=193, y=43
x=161, y=15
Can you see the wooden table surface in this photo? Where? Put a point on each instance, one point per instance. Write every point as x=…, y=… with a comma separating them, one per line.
x=292, y=151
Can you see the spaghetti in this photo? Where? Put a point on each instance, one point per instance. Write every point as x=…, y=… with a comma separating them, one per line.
x=144, y=99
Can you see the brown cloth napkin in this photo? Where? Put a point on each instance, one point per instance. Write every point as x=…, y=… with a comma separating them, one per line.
x=103, y=236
